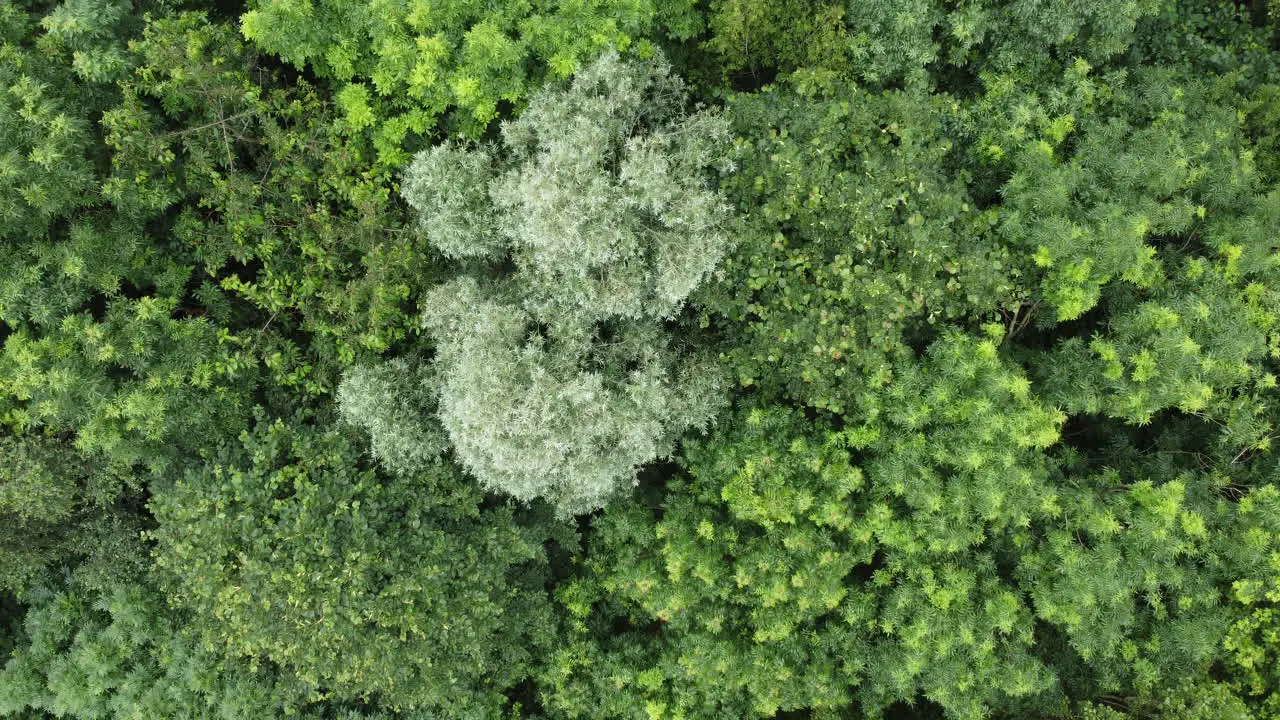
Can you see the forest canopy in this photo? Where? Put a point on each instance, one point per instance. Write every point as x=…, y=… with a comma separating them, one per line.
x=640, y=359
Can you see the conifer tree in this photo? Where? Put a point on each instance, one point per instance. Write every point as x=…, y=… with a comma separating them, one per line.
x=45, y=169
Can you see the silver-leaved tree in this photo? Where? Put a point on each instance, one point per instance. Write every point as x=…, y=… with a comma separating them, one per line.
x=581, y=233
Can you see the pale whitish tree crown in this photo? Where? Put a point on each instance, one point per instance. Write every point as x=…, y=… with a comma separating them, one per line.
x=557, y=380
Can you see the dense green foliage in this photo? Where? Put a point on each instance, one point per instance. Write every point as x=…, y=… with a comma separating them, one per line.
x=402, y=65
x=403, y=588
x=858, y=241
x=120, y=653
x=882, y=41
x=640, y=359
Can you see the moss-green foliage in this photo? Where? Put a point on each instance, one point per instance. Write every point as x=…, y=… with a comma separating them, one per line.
x=749, y=35
x=1160, y=215
x=120, y=653
x=403, y=589
x=806, y=567
x=59, y=511
x=399, y=66
x=281, y=209
x=134, y=387
x=1185, y=700
x=101, y=340
x=916, y=41
x=1151, y=158
x=859, y=240
x=1253, y=642
x=44, y=170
